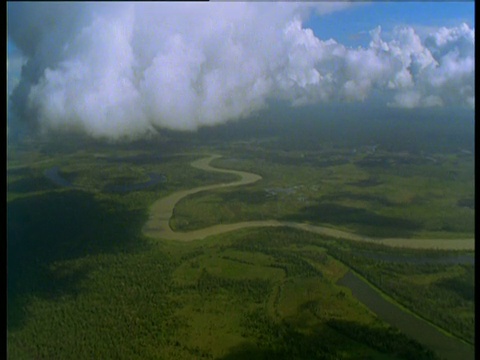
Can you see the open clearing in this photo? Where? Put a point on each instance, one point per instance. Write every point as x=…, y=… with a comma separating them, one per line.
x=267, y=288
x=162, y=210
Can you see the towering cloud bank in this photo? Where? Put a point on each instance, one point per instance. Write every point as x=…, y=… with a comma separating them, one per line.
x=125, y=69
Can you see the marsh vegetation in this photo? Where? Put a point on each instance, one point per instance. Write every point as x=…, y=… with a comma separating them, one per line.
x=84, y=280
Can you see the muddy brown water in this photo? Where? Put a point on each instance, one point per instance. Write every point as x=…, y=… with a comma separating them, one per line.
x=445, y=346
x=161, y=211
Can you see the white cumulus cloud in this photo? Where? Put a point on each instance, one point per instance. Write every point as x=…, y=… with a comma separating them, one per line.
x=125, y=69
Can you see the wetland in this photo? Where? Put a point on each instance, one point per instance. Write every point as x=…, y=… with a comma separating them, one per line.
x=280, y=237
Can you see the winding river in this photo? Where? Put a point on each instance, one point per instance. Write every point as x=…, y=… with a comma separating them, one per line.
x=161, y=211
x=447, y=347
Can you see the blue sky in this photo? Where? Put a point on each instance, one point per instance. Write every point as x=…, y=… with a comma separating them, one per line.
x=351, y=26
x=116, y=68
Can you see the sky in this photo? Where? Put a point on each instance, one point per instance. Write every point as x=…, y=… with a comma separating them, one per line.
x=124, y=70
x=357, y=21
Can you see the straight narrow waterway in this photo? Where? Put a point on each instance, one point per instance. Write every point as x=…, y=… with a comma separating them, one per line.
x=447, y=347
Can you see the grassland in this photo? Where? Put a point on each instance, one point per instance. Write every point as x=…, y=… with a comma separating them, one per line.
x=249, y=294
x=426, y=282
x=380, y=194
x=84, y=282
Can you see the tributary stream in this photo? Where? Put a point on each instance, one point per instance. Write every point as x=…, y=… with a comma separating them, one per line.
x=158, y=226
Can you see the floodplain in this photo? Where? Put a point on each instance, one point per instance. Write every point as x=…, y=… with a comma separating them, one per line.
x=86, y=281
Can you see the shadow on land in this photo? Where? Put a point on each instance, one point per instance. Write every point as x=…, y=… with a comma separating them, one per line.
x=287, y=343
x=29, y=182
x=256, y=197
x=59, y=226
x=363, y=221
x=446, y=346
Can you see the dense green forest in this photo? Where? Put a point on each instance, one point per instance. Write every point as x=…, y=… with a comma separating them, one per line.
x=84, y=282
